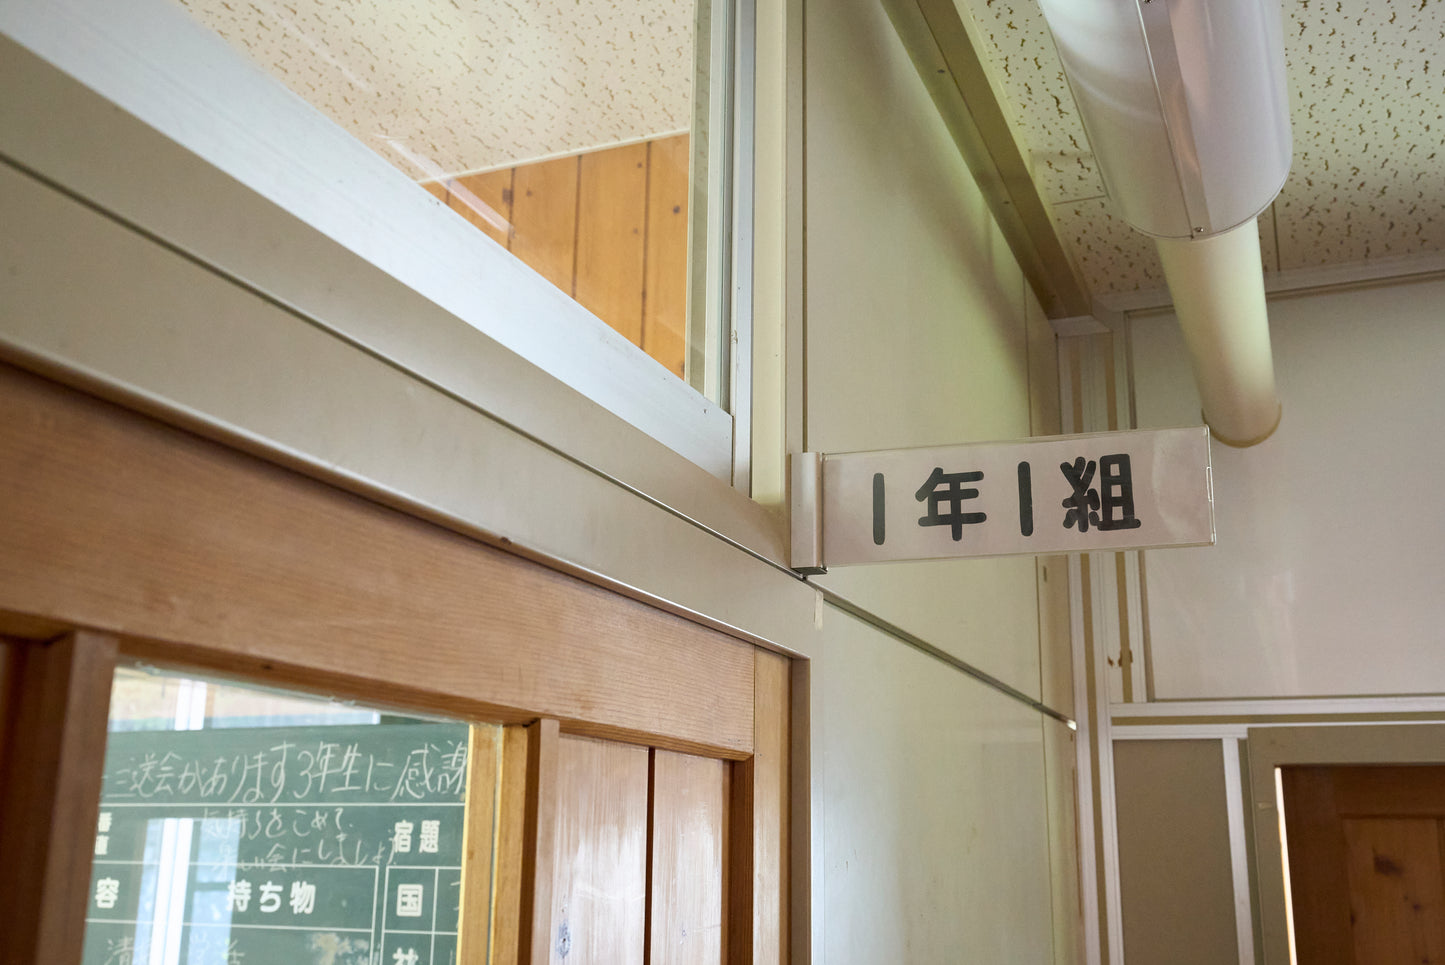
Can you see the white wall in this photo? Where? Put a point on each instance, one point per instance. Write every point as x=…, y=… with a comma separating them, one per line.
x=1326, y=577
x=934, y=813
x=916, y=322
x=932, y=826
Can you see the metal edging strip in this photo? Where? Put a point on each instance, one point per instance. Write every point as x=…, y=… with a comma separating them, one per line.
x=943, y=656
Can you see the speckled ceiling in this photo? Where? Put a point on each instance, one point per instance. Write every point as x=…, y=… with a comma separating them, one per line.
x=1367, y=94
x=453, y=86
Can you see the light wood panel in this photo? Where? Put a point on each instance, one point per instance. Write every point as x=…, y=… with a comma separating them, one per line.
x=609, y=228
x=51, y=775
x=758, y=857
x=664, y=308
x=544, y=219
x=689, y=839
x=1397, y=891
x=539, y=836
x=201, y=556
x=611, y=220
x=1320, y=896
x=510, y=860
x=1413, y=790
x=1367, y=872
x=599, y=854
x=484, y=753
x=493, y=190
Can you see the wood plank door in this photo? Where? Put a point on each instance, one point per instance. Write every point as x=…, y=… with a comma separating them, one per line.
x=626, y=856
x=1367, y=863
x=619, y=853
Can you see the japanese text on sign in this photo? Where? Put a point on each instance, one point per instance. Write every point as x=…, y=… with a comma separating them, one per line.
x=1120, y=490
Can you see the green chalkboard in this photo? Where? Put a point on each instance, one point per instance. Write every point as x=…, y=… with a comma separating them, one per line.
x=330, y=845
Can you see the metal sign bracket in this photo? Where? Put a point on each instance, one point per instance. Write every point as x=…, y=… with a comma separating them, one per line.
x=806, y=504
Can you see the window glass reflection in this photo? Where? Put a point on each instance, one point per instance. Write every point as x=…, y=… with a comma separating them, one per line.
x=571, y=132
x=240, y=826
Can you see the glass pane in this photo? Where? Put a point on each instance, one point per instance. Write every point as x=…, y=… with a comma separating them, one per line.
x=572, y=133
x=239, y=826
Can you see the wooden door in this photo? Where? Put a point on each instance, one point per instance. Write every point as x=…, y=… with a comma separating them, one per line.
x=614, y=853
x=1367, y=863
x=125, y=539
x=637, y=857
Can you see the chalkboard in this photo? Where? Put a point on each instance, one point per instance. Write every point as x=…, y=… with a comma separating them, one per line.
x=331, y=845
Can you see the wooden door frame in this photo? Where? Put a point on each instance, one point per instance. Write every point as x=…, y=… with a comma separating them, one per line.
x=1272, y=747
x=140, y=541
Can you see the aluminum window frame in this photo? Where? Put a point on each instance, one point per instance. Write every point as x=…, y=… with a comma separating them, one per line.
x=152, y=60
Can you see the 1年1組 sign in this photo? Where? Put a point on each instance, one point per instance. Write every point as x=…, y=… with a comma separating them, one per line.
x=1104, y=491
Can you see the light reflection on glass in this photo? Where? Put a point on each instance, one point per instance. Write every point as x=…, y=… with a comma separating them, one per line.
x=1284, y=860
x=240, y=826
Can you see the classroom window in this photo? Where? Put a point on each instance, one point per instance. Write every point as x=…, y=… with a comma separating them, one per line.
x=239, y=825
x=591, y=140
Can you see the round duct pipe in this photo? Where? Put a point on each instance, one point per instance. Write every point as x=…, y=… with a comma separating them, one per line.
x=1218, y=290
x=1185, y=106
x=1184, y=103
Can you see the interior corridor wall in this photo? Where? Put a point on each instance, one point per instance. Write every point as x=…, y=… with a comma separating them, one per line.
x=1326, y=576
x=933, y=832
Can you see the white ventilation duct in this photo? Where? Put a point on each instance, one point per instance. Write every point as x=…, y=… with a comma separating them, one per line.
x=1185, y=106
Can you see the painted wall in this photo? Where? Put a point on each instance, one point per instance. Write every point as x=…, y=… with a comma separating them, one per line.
x=941, y=807
x=933, y=823
x=1325, y=579
x=1174, y=869
x=917, y=330
x=1322, y=584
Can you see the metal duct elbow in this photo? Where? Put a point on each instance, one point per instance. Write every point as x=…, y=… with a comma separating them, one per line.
x=1186, y=110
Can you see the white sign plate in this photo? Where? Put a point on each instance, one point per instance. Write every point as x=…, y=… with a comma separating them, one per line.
x=1064, y=494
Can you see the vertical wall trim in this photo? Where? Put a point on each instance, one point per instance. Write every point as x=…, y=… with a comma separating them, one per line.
x=1110, y=347
x=1238, y=850
x=1126, y=652
x=1108, y=817
x=1091, y=388
x=1090, y=879
x=1145, y=641
x=1095, y=926
x=1134, y=651
x=740, y=348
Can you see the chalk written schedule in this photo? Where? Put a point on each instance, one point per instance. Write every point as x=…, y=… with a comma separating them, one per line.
x=333, y=845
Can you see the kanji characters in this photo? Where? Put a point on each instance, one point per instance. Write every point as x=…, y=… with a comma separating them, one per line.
x=401, y=837
x=303, y=897
x=238, y=895
x=1086, y=506
x=409, y=900
x=107, y=892
x=942, y=487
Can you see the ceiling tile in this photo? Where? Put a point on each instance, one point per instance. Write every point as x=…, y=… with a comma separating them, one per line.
x=1368, y=112
x=468, y=85
x=1023, y=63
x=1113, y=256
x=1367, y=99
